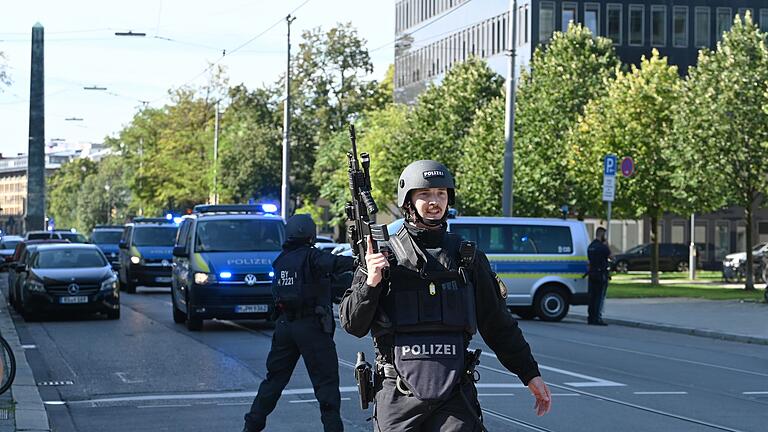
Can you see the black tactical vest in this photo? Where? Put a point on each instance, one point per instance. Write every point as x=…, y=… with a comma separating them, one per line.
x=430, y=313
x=294, y=286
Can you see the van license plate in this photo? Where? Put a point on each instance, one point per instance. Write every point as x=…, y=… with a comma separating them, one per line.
x=73, y=300
x=261, y=308
x=163, y=279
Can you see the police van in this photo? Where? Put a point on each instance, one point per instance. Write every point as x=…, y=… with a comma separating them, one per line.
x=145, y=253
x=541, y=261
x=222, y=263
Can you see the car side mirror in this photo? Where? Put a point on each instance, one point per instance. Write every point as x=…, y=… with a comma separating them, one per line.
x=122, y=244
x=179, y=251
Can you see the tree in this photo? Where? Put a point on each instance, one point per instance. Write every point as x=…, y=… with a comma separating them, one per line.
x=566, y=74
x=635, y=118
x=64, y=187
x=104, y=196
x=722, y=128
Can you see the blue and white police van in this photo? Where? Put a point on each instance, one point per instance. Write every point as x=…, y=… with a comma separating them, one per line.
x=222, y=263
x=541, y=261
x=145, y=253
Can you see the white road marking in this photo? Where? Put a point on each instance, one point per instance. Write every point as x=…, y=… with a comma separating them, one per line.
x=26, y=347
x=234, y=403
x=54, y=403
x=591, y=381
x=311, y=400
x=494, y=394
x=756, y=393
x=661, y=393
x=124, y=378
x=198, y=396
x=164, y=406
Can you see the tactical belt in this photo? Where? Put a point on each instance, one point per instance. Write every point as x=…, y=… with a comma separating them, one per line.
x=298, y=313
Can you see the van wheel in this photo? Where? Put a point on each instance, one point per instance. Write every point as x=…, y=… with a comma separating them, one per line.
x=194, y=323
x=682, y=266
x=113, y=314
x=179, y=317
x=551, y=303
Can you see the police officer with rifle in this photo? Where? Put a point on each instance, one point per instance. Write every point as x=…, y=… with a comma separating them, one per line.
x=422, y=301
x=304, y=325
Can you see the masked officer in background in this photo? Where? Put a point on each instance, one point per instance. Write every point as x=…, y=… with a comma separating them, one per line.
x=598, y=253
x=304, y=326
x=440, y=292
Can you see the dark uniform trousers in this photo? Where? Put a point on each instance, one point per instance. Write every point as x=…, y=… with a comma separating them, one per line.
x=301, y=337
x=396, y=412
x=598, y=286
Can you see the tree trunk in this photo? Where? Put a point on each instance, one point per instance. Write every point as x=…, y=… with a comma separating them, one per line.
x=750, y=284
x=654, y=250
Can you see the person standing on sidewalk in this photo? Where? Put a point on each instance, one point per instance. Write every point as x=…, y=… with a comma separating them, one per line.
x=304, y=326
x=598, y=254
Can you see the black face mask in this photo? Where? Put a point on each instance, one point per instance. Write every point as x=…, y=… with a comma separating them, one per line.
x=429, y=238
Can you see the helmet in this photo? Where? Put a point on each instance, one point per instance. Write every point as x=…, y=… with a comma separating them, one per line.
x=300, y=227
x=424, y=174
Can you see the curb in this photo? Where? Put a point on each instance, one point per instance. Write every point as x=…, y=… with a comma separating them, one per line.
x=30, y=414
x=678, y=329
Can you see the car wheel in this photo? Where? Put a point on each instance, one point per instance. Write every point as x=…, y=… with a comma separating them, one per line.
x=27, y=312
x=179, y=317
x=682, y=266
x=551, y=303
x=622, y=267
x=128, y=287
x=194, y=323
x=113, y=314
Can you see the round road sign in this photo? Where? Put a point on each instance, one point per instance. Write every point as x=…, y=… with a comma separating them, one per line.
x=627, y=166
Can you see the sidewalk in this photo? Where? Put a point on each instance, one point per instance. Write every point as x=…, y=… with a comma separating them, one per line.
x=722, y=319
x=25, y=408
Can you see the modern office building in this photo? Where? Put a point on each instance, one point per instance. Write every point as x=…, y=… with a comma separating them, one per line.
x=434, y=35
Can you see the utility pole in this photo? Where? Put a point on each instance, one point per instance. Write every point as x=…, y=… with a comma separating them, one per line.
x=507, y=200
x=216, y=156
x=286, y=188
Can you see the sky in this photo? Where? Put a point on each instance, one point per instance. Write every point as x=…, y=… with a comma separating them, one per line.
x=183, y=38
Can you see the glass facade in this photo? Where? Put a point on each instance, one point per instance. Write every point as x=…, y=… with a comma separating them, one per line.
x=658, y=25
x=546, y=20
x=680, y=26
x=724, y=21
x=592, y=17
x=614, y=23
x=570, y=14
x=702, y=30
x=636, y=25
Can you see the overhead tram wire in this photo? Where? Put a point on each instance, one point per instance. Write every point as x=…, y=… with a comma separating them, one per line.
x=238, y=48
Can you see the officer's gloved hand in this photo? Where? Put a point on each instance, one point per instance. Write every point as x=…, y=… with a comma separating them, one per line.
x=375, y=263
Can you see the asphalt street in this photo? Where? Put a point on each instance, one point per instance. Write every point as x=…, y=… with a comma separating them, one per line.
x=145, y=373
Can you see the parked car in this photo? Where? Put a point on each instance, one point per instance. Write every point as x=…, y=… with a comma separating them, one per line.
x=72, y=236
x=7, y=246
x=734, y=265
x=672, y=257
x=16, y=274
x=68, y=277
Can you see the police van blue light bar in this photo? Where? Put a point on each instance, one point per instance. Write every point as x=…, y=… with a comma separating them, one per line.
x=236, y=208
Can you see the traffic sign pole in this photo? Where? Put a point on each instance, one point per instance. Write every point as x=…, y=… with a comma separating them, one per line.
x=609, y=187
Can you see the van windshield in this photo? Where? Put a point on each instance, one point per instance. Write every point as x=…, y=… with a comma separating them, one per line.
x=106, y=237
x=239, y=235
x=154, y=236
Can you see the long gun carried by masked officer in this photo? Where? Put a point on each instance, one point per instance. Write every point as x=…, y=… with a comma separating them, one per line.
x=359, y=211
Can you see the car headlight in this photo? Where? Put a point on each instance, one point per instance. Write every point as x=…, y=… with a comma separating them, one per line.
x=109, y=284
x=135, y=259
x=204, y=278
x=35, y=286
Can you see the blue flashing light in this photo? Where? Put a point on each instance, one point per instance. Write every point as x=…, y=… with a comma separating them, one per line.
x=524, y=239
x=271, y=274
x=269, y=208
x=169, y=216
x=225, y=275
x=177, y=220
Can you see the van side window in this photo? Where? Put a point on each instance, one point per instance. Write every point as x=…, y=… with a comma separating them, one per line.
x=127, y=235
x=181, y=237
x=518, y=239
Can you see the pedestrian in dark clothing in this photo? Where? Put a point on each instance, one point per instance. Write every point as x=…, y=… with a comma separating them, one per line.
x=304, y=326
x=598, y=254
x=440, y=292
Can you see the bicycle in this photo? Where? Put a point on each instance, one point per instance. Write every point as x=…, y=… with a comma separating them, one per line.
x=7, y=365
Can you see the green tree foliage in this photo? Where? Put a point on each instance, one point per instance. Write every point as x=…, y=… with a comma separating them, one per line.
x=634, y=118
x=250, y=149
x=723, y=129
x=329, y=89
x=566, y=74
x=444, y=113
x=104, y=197
x=63, y=188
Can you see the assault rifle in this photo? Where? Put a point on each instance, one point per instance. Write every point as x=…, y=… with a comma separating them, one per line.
x=362, y=206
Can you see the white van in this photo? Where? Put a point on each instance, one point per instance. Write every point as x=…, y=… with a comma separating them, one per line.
x=542, y=261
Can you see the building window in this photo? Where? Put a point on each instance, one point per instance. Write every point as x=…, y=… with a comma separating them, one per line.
x=525, y=24
x=680, y=26
x=569, y=14
x=658, y=25
x=764, y=20
x=546, y=20
x=702, y=28
x=724, y=21
x=592, y=18
x=636, y=25
x=614, y=22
